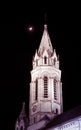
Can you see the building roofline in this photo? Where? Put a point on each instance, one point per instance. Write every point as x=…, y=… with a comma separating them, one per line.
x=65, y=117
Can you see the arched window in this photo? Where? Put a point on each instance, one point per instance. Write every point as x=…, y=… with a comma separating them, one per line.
x=45, y=60
x=21, y=128
x=45, y=87
x=56, y=111
x=55, y=89
x=36, y=89
x=54, y=61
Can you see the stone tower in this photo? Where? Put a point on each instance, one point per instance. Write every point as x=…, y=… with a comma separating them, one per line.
x=46, y=85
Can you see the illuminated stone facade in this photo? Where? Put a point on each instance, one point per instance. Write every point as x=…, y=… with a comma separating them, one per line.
x=45, y=86
x=45, y=104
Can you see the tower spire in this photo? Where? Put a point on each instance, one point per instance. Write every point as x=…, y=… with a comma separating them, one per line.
x=45, y=86
x=45, y=43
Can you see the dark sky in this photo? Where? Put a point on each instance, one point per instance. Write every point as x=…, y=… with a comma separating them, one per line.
x=17, y=47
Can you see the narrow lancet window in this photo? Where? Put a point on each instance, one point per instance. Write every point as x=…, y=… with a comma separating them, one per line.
x=36, y=89
x=55, y=89
x=56, y=111
x=45, y=60
x=45, y=87
x=54, y=61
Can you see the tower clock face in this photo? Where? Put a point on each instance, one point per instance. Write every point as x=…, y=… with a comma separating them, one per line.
x=34, y=108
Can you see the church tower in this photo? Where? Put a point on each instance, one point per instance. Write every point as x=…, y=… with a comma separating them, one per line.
x=46, y=85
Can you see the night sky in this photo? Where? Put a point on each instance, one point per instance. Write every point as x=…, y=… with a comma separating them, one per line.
x=18, y=45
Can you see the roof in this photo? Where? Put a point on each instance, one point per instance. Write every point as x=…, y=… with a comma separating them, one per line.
x=66, y=116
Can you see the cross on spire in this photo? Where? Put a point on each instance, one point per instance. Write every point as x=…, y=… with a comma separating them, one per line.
x=45, y=18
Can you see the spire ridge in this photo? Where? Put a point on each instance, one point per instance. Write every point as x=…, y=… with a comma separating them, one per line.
x=45, y=43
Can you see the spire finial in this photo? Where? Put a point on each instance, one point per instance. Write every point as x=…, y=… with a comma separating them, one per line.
x=45, y=21
x=45, y=18
x=45, y=26
x=23, y=105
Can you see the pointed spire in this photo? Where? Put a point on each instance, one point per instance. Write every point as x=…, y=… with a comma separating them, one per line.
x=22, y=120
x=45, y=43
x=23, y=113
x=54, y=54
x=36, y=55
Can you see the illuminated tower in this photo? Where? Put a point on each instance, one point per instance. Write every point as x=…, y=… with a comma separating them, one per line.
x=45, y=86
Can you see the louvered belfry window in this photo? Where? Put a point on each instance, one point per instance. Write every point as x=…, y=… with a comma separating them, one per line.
x=45, y=87
x=36, y=89
x=45, y=60
x=55, y=89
